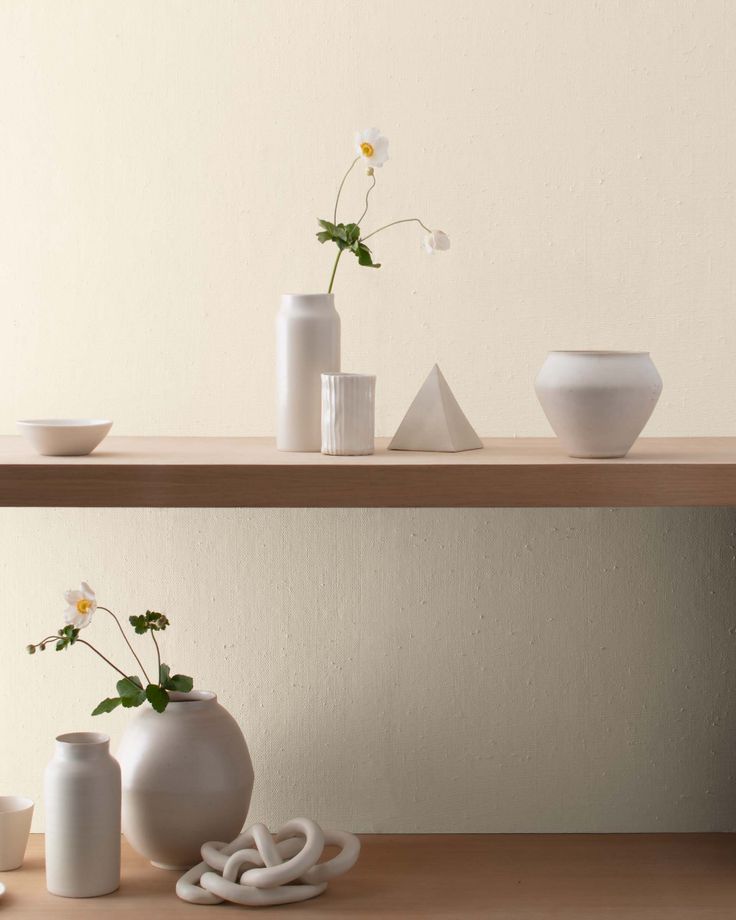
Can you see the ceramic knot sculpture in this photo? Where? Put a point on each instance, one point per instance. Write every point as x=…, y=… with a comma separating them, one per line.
x=259, y=870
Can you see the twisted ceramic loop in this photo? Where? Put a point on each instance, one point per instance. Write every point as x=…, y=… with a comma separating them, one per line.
x=257, y=869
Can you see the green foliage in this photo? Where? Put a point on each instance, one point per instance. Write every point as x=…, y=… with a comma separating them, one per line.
x=68, y=636
x=179, y=682
x=150, y=621
x=131, y=692
x=157, y=697
x=107, y=705
x=347, y=237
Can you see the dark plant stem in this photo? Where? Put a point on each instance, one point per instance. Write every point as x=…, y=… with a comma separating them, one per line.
x=365, y=210
x=334, y=269
x=158, y=655
x=339, y=191
x=127, y=642
x=107, y=660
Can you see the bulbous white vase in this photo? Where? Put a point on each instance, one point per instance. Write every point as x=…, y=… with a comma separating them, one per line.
x=307, y=346
x=598, y=402
x=82, y=796
x=187, y=779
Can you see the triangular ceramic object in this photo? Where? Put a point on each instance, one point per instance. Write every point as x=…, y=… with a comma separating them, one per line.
x=435, y=421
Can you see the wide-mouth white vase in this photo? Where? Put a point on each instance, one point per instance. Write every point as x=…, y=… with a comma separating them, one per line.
x=598, y=402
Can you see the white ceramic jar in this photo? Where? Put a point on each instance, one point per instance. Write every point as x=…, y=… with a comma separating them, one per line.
x=187, y=779
x=598, y=402
x=82, y=796
x=307, y=345
x=348, y=414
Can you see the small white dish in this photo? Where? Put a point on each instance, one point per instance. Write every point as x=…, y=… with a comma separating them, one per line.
x=64, y=437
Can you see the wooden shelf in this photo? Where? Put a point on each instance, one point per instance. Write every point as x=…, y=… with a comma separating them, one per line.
x=250, y=472
x=452, y=877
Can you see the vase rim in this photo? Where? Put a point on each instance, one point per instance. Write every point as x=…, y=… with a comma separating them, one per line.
x=604, y=353
x=312, y=295
x=194, y=696
x=83, y=738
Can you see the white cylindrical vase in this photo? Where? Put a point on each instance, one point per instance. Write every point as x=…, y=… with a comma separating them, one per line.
x=307, y=345
x=348, y=414
x=82, y=797
x=598, y=402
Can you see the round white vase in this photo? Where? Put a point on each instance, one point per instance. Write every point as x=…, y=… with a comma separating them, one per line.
x=598, y=402
x=307, y=346
x=187, y=779
x=82, y=797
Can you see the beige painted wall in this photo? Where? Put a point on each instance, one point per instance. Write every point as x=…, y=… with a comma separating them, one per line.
x=161, y=169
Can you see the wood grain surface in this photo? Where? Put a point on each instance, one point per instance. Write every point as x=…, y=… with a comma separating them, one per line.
x=250, y=472
x=453, y=877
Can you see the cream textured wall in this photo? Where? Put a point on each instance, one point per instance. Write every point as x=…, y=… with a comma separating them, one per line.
x=162, y=166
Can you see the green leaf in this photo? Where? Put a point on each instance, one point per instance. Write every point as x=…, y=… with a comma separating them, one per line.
x=326, y=225
x=131, y=702
x=180, y=682
x=139, y=623
x=129, y=688
x=323, y=236
x=352, y=233
x=157, y=697
x=163, y=674
x=364, y=257
x=107, y=705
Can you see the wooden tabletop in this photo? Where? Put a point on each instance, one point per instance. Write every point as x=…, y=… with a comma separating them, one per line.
x=250, y=472
x=452, y=877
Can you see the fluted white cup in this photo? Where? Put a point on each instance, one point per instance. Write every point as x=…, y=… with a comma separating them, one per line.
x=348, y=414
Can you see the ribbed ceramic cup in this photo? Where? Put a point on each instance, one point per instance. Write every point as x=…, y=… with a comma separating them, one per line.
x=348, y=414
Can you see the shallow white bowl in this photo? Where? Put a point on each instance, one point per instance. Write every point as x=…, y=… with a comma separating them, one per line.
x=64, y=437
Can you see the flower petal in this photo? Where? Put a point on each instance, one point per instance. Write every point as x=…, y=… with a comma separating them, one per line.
x=88, y=592
x=71, y=597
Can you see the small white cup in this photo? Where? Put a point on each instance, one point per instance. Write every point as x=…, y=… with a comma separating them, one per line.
x=348, y=414
x=16, y=812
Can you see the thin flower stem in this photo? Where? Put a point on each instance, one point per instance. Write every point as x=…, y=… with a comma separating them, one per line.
x=122, y=633
x=339, y=191
x=334, y=269
x=47, y=639
x=406, y=220
x=113, y=666
x=365, y=210
x=158, y=654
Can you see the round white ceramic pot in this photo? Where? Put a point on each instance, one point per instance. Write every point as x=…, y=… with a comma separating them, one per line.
x=598, y=402
x=307, y=346
x=187, y=779
x=82, y=796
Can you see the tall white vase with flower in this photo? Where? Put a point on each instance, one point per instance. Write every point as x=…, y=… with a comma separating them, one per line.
x=308, y=326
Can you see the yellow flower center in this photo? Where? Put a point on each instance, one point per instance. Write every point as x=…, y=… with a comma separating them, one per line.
x=367, y=149
x=83, y=606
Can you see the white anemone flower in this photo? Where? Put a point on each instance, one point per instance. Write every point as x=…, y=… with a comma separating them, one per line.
x=372, y=146
x=436, y=241
x=82, y=604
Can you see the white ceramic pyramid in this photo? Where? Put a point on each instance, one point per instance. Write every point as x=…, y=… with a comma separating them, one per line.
x=435, y=421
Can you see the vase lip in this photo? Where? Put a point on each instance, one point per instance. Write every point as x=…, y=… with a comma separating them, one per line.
x=310, y=296
x=87, y=739
x=603, y=353
x=194, y=696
